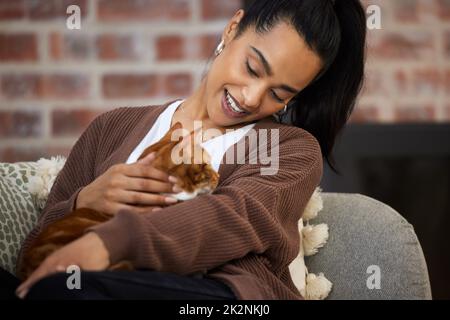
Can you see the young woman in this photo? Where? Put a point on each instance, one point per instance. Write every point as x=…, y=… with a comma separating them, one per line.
x=301, y=61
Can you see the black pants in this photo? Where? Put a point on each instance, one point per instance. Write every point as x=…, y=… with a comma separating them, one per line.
x=140, y=284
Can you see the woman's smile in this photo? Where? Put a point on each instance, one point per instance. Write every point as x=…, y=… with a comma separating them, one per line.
x=231, y=108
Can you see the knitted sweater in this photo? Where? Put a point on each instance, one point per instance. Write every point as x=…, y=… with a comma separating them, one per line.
x=244, y=234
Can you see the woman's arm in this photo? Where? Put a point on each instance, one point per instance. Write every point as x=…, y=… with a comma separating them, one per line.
x=247, y=213
x=70, y=181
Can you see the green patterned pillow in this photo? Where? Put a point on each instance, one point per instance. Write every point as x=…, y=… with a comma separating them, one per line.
x=18, y=212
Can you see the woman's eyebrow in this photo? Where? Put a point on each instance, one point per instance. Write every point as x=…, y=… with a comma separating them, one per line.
x=268, y=70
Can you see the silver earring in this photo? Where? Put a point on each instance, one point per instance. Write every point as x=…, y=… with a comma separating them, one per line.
x=281, y=112
x=278, y=115
x=219, y=48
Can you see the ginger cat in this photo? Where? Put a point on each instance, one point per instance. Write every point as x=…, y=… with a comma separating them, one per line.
x=193, y=178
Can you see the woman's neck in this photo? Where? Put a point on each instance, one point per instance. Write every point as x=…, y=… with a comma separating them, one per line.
x=194, y=109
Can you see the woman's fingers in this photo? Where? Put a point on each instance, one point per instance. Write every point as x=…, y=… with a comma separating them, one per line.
x=147, y=185
x=147, y=159
x=144, y=199
x=138, y=209
x=42, y=271
x=143, y=170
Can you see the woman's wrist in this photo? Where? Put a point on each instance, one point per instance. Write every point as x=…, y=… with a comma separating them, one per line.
x=98, y=246
x=79, y=201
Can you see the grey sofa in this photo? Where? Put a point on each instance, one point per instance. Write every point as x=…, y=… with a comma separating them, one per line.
x=367, y=237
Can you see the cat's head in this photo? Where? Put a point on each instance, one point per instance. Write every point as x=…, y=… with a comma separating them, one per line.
x=195, y=177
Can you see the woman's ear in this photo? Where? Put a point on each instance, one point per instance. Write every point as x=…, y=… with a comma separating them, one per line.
x=231, y=28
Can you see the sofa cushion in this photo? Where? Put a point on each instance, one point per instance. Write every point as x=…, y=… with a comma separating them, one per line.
x=18, y=212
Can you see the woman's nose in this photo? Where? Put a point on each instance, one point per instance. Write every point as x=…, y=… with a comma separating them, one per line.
x=252, y=96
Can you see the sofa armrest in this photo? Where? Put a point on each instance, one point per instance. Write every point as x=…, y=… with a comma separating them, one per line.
x=365, y=232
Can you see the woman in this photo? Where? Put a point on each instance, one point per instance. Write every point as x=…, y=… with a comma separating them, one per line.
x=299, y=60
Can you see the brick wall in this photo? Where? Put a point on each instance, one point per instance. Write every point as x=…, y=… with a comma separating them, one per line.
x=408, y=65
x=54, y=81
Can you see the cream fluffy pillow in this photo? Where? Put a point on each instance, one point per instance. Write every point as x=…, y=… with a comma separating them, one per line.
x=313, y=237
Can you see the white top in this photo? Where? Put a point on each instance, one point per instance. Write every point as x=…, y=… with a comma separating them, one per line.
x=216, y=147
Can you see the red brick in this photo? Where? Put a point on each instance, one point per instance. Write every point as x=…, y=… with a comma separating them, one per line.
x=56, y=45
x=446, y=39
x=424, y=81
x=402, y=81
x=374, y=83
x=427, y=81
x=70, y=46
x=72, y=122
x=219, y=9
x=18, y=47
x=178, y=84
x=406, y=45
x=65, y=86
x=52, y=9
x=406, y=10
x=170, y=48
x=447, y=113
x=208, y=44
x=130, y=86
x=132, y=10
x=414, y=11
x=21, y=86
x=447, y=82
x=20, y=124
x=117, y=47
x=365, y=114
x=11, y=9
x=415, y=114
x=26, y=86
x=443, y=9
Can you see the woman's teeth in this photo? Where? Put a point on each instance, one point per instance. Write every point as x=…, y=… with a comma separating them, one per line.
x=233, y=105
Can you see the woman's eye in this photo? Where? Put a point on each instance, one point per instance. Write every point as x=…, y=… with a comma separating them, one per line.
x=276, y=97
x=253, y=73
x=250, y=70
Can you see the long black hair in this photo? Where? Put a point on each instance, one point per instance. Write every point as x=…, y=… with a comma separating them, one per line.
x=336, y=31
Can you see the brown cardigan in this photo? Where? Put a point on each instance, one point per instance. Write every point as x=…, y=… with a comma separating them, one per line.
x=244, y=234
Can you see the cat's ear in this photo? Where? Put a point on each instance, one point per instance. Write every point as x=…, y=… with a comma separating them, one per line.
x=177, y=125
x=168, y=136
x=164, y=141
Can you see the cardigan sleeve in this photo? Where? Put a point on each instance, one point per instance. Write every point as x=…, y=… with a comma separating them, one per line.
x=247, y=213
x=77, y=172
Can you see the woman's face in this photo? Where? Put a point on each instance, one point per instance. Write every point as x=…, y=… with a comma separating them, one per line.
x=260, y=73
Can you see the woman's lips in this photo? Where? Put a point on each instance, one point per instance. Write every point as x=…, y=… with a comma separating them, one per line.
x=227, y=109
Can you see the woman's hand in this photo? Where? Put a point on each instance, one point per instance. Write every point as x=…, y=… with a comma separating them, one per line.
x=134, y=187
x=87, y=252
